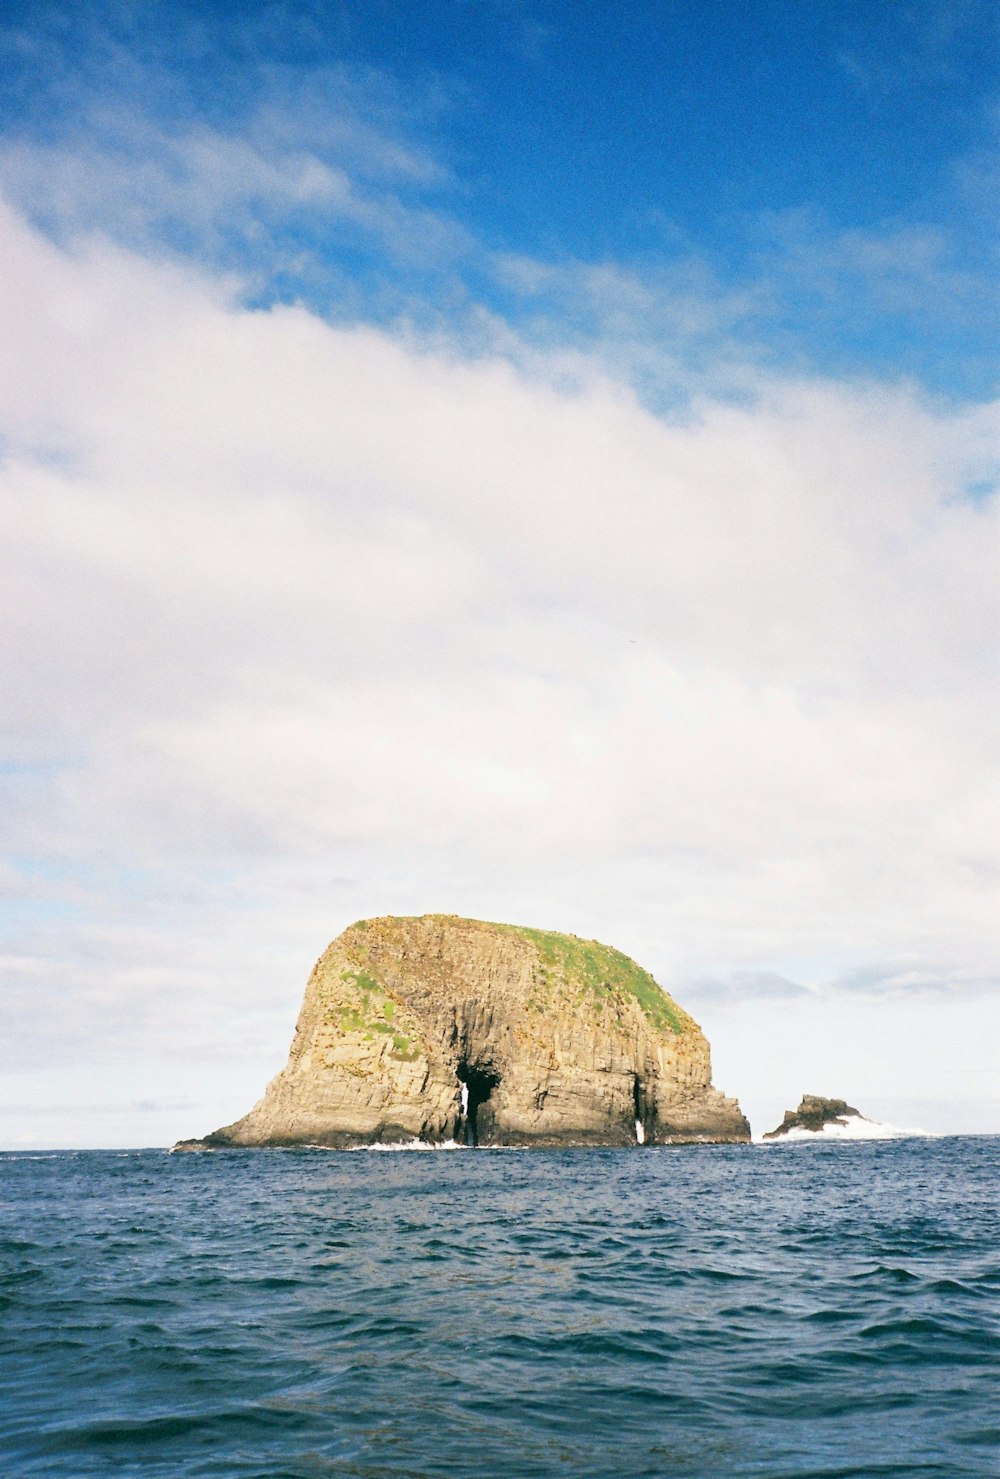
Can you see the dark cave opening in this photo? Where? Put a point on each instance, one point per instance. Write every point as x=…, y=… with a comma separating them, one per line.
x=478, y=1081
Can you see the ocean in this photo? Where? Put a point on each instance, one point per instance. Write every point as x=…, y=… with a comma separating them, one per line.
x=789, y=1310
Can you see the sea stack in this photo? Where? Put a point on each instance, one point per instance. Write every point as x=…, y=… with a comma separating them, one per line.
x=814, y=1114
x=444, y=1029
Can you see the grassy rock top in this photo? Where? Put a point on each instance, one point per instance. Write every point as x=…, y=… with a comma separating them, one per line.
x=568, y=970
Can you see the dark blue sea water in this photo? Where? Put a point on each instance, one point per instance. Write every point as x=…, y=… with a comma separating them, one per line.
x=821, y=1309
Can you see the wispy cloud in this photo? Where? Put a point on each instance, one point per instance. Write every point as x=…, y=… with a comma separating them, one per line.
x=744, y=986
x=232, y=196
x=933, y=40
x=906, y=978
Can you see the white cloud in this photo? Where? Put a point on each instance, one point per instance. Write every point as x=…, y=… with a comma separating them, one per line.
x=362, y=628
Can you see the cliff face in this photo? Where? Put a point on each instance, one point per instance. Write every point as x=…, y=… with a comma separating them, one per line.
x=451, y=1029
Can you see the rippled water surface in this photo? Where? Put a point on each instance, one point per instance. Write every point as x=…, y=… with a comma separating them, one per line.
x=827, y=1309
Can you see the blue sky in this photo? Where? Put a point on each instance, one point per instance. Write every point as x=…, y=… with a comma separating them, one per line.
x=815, y=191
x=537, y=461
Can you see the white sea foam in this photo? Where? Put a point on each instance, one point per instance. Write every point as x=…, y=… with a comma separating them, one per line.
x=854, y=1127
x=410, y=1145
x=640, y=1132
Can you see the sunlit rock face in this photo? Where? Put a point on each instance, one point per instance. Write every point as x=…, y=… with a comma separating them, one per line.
x=444, y=1029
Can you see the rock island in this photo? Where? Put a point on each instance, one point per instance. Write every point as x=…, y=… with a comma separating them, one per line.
x=443, y=1029
x=814, y=1114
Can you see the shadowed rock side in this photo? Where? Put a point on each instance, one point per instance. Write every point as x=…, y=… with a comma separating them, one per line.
x=813, y=1113
x=451, y=1029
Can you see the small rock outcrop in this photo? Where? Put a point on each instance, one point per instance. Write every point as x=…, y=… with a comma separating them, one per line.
x=444, y=1029
x=814, y=1113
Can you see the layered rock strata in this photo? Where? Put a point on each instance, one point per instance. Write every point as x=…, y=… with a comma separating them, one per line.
x=445, y=1029
x=814, y=1113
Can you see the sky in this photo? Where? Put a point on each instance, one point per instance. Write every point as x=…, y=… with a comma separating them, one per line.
x=529, y=459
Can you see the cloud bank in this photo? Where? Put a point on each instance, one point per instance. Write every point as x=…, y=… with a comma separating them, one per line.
x=305, y=620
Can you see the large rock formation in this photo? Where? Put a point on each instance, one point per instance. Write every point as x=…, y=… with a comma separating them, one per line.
x=450, y=1029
